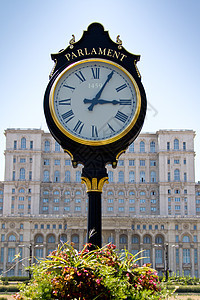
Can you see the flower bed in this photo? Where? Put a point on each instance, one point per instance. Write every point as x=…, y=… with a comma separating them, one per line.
x=97, y=274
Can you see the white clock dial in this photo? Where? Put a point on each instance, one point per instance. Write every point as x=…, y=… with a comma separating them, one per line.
x=95, y=101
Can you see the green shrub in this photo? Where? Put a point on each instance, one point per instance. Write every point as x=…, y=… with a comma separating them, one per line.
x=3, y=298
x=15, y=278
x=9, y=288
x=102, y=274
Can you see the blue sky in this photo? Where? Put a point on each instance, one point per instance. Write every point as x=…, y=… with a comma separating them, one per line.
x=164, y=32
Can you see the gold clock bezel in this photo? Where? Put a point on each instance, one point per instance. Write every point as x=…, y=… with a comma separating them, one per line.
x=95, y=142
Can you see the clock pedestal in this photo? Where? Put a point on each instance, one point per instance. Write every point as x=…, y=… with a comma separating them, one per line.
x=94, y=189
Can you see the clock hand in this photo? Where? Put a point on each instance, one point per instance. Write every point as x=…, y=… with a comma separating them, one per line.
x=95, y=99
x=101, y=101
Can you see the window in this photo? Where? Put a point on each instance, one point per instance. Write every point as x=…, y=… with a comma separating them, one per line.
x=152, y=163
x=78, y=176
x=21, y=190
x=152, y=146
x=185, y=176
x=21, y=226
x=110, y=176
x=176, y=175
x=168, y=176
x=110, y=200
x=195, y=256
x=146, y=240
x=176, y=144
x=11, y=254
x=158, y=256
x=121, y=176
x=67, y=176
x=168, y=145
x=46, y=146
x=186, y=239
x=184, y=146
x=22, y=174
x=184, y=161
x=75, y=239
x=3, y=238
x=153, y=201
x=153, y=176
x=176, y=161
x=57, y=147
x=131, y=176
x=123, y=239
x=57, y=162
x=120, y=162
x=146, y=255
x=15, y=145
x=142, y=147
x=186, y=256
x=131, y=201
x=31, y=144
x=131, y=162
x=176, y=191
x=21, y=206
x=131, y=209
x=21, y=237
x=176, y=227
x=22, y=160
x=38, y=253
x=177, y=207
x=51, y=239
x=23, y=143
x=121, y=208
x=121, y=200
x=159, y=239
x=110, y=192
x=142, y=200
x=13, y=176
x=46, y=162
x=110, y=208
x=131, y=147
x=177, y=199
x=142, y=176
x=56, y=176
x=77, y=208
x=67, y=162
x=142, y=163
x=168, y=161
x=135, y=239
x=46, y=176
x=30, y=175
x=12, y=238
x=142, y=209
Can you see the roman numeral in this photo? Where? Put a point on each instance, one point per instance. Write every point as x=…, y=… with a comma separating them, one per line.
x=121, y=116
x=95, y=73
x=110, y=127
x=68, y=116
x=94, y=131
x=121, y=87
x=65, y=102
x=80, y=76
x=78, y=127
x=69, y=87
x=125, y=101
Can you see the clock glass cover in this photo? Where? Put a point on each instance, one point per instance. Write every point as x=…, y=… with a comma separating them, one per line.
x=95, y=101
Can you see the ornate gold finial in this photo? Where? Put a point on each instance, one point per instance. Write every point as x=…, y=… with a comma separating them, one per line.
x=72, y=41
x=119, y=42
x=94, y=185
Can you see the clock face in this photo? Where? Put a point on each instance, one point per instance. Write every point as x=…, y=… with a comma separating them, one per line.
x=95, y=102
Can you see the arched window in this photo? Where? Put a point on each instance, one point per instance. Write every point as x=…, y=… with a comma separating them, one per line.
x=21, y=190
x=22, y=174
x=176, y=175
x=110, y=176
x=51, y=239
x=159, y=240
x=121, y=193
x=111, y=239
x=110, y=192
x=147, y=240
x=78, y=176
x=23, y=143
x=123, y=239
x=67, y=192
x=131, y=176
x=57, y=147
x=131, y=147
x=46, y=176
x=152, y=147
x=121, y=176
x=67, y=176
x=78, y=193
x=46, y=146
x=142, y=147
x=63, y=238
x=142, y=176
x=135, y=239
x=12, y=238
x=75, y=238
x=153, y=176
x=176, y=144
x=186, y=239
x=56, y=176
x=39, y=239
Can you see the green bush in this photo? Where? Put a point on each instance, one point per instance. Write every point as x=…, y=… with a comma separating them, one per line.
x=9, y=288
x=102, y=274
x=3, y=298
x=15, y=278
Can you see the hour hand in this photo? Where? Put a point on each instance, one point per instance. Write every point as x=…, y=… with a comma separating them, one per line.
x=101, y=101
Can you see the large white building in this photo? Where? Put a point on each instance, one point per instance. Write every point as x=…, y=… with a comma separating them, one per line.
x=151, y=203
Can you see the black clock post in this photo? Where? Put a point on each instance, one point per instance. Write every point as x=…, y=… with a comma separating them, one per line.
x=68, y=98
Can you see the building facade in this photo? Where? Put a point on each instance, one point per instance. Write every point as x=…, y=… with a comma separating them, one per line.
x=151, y=203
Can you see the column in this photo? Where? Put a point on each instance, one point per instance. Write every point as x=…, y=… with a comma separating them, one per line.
x=181, y=260
x=153, y=258
x=192, y=260
x=117, y=238
x=129, y=240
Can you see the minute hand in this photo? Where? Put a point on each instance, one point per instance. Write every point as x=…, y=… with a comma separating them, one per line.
x=95, y=99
